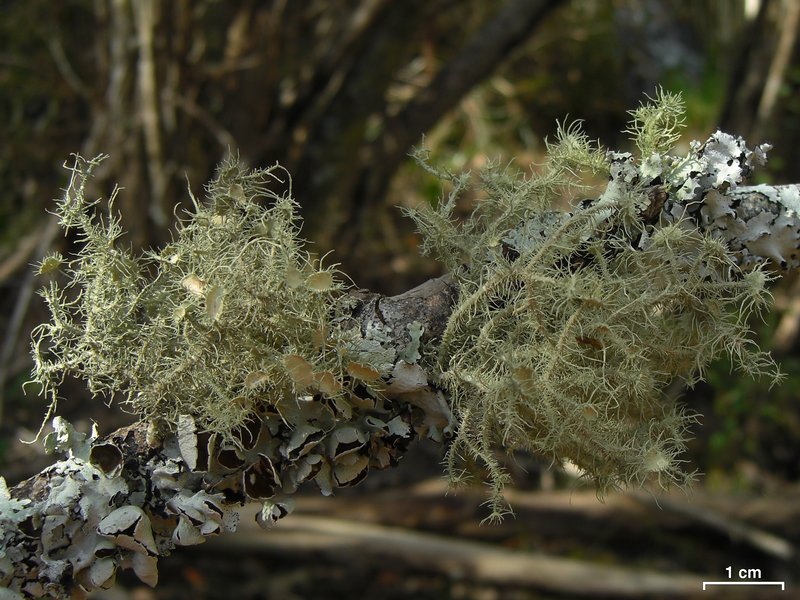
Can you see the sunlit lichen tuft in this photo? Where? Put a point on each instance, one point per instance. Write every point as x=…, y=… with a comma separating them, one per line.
x=207, y=326
x=656, y=125
x=570, y=324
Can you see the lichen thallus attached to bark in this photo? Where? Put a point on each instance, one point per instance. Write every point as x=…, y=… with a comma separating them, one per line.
x=567, y=328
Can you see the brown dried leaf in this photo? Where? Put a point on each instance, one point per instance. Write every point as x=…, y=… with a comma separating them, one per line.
x=327, y=383
x=255, y=380
x=299, y=370
x=363, y=372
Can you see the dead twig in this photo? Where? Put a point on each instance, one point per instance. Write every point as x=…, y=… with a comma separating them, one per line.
x=457, y=558
x=763, y=541
x=21, y=256
x=45, y=240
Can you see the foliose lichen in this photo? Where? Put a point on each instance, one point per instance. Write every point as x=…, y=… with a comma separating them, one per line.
x=570, y=325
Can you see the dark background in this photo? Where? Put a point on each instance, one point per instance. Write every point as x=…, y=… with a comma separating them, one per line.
x=338, y=91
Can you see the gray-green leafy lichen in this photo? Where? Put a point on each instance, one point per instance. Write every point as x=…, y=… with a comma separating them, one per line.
x=570, y=324
x=89, y=515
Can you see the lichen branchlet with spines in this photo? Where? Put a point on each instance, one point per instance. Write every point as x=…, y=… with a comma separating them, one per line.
x=235, y=315
x=570, y=325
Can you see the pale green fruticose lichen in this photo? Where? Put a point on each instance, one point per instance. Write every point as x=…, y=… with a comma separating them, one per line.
x=570, y=324
x=231, y=316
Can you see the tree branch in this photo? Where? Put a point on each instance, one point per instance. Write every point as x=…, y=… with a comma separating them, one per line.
x=476, y=61
x=122, y=500
x=477, y=561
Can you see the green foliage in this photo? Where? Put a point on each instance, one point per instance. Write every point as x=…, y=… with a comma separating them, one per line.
x=232, y=315
x=751, y=424
x=570, y=325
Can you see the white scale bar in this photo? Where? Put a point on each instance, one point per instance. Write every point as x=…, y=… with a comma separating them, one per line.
x=780, y=583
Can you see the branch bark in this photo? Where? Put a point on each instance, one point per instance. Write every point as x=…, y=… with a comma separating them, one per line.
x=459, y=558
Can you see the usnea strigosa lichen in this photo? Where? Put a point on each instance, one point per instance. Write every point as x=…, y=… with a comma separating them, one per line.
x=233, y=315
x=570, y=325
